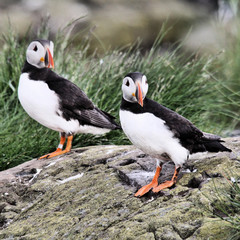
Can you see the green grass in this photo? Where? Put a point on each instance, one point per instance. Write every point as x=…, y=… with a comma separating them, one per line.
x=194, y=87
x=227, y=204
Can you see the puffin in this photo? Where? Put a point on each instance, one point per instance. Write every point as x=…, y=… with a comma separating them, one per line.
x=160, y=132
x=56, y=102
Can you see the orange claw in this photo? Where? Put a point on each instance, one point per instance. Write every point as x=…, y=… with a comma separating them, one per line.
x=59, y=151
x=151, y=185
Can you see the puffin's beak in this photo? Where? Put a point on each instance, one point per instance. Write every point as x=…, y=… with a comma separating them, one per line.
x=139, y=94
x=50, y=59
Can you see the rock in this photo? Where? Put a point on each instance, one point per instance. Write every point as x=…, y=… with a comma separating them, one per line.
x=89, y=194
x=233, y=133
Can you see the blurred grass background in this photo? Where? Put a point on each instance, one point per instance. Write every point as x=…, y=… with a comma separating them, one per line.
x=203, y=88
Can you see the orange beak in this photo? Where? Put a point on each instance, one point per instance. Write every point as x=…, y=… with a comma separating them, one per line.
x=139, y=94
x=50, y=59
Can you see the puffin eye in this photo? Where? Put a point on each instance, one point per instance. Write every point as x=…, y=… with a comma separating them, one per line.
x=35, y=48
x=127, y=83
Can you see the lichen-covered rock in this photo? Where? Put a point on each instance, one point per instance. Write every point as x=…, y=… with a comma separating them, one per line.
x=89, y=194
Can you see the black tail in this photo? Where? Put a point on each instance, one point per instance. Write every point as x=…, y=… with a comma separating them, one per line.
x=216, y=146
x=115, y=126
x=212, y=143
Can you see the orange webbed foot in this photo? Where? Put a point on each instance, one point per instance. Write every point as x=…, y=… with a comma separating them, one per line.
x=143, y=190
x=162, y=186
x=59, y=150
x=54, y=154
x=151, y=185
x=168, y=184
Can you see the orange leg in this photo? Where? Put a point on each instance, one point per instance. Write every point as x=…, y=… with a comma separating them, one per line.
x=59, y=150
x=168, y=184
x=151, y=185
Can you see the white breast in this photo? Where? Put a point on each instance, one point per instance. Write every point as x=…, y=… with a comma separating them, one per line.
x=38, y=101
x=42, y=104
x=151, y=135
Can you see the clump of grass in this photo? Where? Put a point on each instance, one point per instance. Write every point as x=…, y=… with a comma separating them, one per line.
x=181, y=83
x=227, y=204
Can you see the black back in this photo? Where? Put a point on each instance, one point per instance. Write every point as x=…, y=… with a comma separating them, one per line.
x=135, y=76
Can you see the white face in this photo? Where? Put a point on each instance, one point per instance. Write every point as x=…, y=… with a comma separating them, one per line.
x=36, y=53
x=131, y=87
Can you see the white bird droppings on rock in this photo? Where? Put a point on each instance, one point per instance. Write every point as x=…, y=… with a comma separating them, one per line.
x=70, y=178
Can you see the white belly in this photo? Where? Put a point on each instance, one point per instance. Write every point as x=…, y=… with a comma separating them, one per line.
x=151, y=135
x=38, y=101
x=42, y=104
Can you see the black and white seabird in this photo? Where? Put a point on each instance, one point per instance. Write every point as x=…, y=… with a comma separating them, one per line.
x=159, y=131
x=56, y=102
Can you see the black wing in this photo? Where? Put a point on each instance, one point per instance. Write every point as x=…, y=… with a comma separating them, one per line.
x=97, y=118
x=75, y=104
x=181, y=127
x=189, y=135
x=71, y=96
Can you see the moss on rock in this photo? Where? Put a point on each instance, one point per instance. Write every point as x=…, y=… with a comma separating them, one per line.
x=89, y=194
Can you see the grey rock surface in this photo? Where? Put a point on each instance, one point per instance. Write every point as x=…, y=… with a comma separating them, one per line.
x=89, y=194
